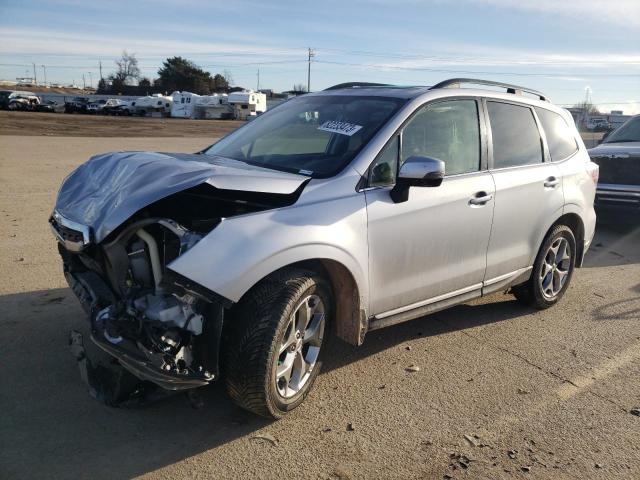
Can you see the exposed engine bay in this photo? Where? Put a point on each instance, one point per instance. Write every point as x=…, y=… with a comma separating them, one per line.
x=159, y=326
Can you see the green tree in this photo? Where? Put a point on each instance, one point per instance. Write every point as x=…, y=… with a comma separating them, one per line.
x=220, y=83
x=102, y=86
x=178, y=73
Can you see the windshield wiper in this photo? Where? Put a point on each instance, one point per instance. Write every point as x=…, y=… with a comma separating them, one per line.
x=623, y=140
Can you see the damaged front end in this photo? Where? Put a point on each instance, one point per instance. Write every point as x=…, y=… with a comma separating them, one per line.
x=159, y=328
x=141, y=313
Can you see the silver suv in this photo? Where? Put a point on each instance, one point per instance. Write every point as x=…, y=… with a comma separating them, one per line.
x=335, y=213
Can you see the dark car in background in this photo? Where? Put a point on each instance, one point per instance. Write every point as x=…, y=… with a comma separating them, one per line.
x=76, y=105
x=619, y=159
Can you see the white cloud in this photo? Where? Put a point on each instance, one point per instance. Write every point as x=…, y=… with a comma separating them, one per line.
x=619, y=12
x=37, y=41
x=623, y=13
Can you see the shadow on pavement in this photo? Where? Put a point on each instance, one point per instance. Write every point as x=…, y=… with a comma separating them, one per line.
x=58, y=430
x=616, y=242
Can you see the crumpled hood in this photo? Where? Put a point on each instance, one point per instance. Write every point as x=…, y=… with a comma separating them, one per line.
x=108, y=189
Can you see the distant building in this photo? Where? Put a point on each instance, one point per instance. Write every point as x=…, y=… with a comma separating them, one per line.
x=603, y=121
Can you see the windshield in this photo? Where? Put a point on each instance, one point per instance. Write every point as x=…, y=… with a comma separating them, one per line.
x=629, y=132
x=311, y=135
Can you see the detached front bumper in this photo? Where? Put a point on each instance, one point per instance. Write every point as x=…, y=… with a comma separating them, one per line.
x=93, y=292
x=146, y=370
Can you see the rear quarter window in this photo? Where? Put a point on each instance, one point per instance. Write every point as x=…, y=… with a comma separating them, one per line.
x=560, y=138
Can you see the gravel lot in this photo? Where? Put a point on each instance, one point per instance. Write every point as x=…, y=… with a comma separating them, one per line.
x=502, y=391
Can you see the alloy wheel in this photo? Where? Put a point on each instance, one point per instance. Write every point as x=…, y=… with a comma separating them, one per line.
x=299, y=346
x=555, y=268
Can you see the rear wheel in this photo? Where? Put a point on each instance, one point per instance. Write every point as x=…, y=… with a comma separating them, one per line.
x=552, y=270
x=275, y=340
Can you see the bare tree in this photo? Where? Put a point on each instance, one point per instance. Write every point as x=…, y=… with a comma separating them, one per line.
x=228, y=76
x=300, y=88
x=128, y=70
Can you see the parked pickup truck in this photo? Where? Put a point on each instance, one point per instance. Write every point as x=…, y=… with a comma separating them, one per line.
x=619, y=159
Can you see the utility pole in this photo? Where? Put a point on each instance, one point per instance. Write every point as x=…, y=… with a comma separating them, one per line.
x=84, y=84
x=258, y=87
x=312, y=54
x=100, y=66
x=90, y=80
x=35, y=78
x=44, y=67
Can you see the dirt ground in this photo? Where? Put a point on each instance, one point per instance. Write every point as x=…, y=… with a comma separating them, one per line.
x=78, y=125
x=502, y=392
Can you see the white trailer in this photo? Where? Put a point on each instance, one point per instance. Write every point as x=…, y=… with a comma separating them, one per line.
x=214, y=106
x=156, y=105
x=247, y=104
x=184, y=104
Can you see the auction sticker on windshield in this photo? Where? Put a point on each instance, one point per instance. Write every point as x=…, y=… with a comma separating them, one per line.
x=342, y=128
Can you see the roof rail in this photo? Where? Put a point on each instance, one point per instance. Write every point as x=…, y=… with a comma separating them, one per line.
x=514, y=89
x=357, y=85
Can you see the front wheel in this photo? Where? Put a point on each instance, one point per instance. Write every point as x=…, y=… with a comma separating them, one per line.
x=275, y=340
x=552, y=270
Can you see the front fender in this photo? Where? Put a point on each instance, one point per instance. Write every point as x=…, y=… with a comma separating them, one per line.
x=242, y=250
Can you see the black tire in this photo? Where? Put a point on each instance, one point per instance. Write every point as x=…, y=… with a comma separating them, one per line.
x=253, y=336
x=531, y=292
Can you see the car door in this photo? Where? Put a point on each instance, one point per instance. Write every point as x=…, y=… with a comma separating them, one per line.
x=435, y=243
x=528, y=189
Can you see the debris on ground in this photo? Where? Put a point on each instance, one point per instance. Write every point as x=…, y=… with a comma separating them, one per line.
x=413, y=368
x=342, y=473
x=522, y=391
x=512, y=454
x=54, y=300
x=525, y=468
x=266, y=437
x=459, y=460
x=598, y=465
x=635, y=411
x=408, y=347
x=350, y=427
x=326, y=429
x=473, y=440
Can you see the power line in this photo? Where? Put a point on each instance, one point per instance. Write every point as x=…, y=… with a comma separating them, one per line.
x=632, y=102
x=476, y=72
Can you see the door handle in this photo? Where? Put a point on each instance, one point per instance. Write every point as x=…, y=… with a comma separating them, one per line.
x=480, y=198
x=551, y=182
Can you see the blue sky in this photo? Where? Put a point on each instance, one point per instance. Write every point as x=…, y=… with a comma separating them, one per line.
x=561, y=47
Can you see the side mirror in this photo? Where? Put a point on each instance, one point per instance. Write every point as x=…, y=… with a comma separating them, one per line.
x=417, y=172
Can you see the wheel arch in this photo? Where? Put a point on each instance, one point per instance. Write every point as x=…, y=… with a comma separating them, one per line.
x=576, y=224
x=350, y=305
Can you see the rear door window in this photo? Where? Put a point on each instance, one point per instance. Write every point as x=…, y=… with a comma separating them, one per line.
x=559, y=135
x=516, y=139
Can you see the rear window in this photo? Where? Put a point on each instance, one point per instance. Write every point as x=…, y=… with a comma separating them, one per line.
x=559, y=135
x=629, y=132
x=516, y=139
